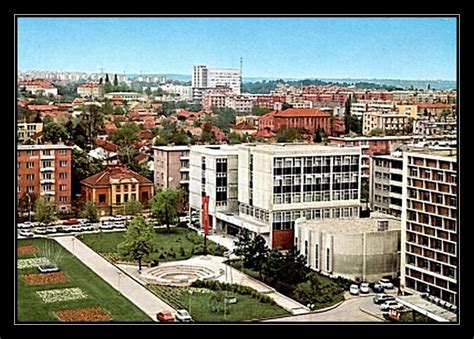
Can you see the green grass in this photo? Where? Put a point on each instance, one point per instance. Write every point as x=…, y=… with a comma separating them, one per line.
x=247, y=308
x=30, y=307
x=179, y=244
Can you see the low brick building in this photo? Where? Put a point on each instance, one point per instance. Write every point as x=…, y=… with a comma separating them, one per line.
x=115, y=185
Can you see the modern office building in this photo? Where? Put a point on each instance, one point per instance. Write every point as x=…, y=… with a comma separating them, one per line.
x=429, y=260
x=277, y=184
x=45, y=171
x=364, y=249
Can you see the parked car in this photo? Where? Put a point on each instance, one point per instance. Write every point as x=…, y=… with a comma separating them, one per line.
x=40, y=230
x=386, y=283
x=106, y=226
x=354, y=289
x=26, y=224
x=382, y=297
x=87, y=228
x=118, y=217
x=390, y=304
x=51, y=229
x=183, y=316
x=364, y=288
x=165, y=317
x=25, y=233
x=71, y=222
x=377, y=288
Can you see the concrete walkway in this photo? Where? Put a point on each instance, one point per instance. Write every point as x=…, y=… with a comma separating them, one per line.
x=128, y=287
x=232, y=275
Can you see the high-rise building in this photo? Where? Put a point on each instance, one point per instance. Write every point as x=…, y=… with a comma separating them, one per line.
x=45, y=171
x=429, y=258
x=204, y=77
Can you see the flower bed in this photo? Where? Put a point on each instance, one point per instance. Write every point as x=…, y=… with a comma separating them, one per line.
x=90, y=314
x=46, y=278
x=27, y=250
x=61, y=294
x=33, y=262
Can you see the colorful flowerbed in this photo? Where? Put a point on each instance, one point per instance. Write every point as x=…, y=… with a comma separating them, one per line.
x=90, y=314
x=46, y=278
x=61, y=294
x=33, y=262
x=27, y=250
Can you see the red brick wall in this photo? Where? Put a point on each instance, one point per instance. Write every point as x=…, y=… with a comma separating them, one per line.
x=58, y=181
x=283, y=239
x=23, y=183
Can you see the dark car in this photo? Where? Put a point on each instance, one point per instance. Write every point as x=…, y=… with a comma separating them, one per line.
x=377, y=288
x=165, y=317
x=382, y=297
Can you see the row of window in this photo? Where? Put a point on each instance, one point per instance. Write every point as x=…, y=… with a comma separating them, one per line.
x=62, y=175
x=254, y=212
x=44, y=152
x=315, y=161
x=297, y=197
x=31, y=164
x=285, y=220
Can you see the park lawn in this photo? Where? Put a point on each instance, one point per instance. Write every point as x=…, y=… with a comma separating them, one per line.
x=332, y=299
x=30, y=308
x=247, y=308
x=179, y=244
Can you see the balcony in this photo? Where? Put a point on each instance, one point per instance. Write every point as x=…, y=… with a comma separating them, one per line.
x=47, y=181
x=47, y=169
x=184, y=169
x=47, y=157
x=47, y=193
x=184, y=181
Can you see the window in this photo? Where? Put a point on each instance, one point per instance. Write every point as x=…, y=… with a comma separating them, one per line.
x=62, y=151
x=382, y=225
x=30, y=164
x=63, y=198
x=102, y=198
x=63, y=175
x=47, y=152
x=145, y=196
x=62, y=187
x=117, y=199
x=306, y=248
x=316, y=256
x=328, y=255
x=63, y=163
x=30, y=189
x=30, y=177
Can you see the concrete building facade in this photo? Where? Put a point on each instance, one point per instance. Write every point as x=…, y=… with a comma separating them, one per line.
x=429, y=260
x=26, y=130
x=387, y=122
x=361, y=249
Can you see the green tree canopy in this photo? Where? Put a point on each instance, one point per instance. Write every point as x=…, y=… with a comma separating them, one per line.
x=54, y=132
x=164, y=205
x=289, y=135
x=139, y=240
x=133, y=207
x=90, y=212
x=45, y=211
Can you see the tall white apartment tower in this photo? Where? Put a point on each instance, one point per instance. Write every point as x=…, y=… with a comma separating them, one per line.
x=199, y=78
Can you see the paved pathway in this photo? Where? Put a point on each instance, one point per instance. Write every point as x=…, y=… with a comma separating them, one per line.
x=128, y=287
x=349, y=310
x=232, y=275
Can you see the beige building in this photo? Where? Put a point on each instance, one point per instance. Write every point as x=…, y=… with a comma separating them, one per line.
x=90, y=89
x=429, y=260
x=409, y=110
x=26, y=130
x=394, y=122
x=363, y=249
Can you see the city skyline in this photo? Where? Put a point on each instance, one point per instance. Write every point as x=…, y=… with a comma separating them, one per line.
x=371, y=48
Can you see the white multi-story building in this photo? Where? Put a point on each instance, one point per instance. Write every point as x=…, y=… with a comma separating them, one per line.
x=26, y=130
x=183, y=92
x=277, y=184
x=204, y=77
x=429, y=258
x=239, y=103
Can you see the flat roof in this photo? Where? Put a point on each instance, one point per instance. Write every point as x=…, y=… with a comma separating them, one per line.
x=40, y=147
x=172, y=148
x=439, y=152
x=216, y=149
x=301, y=148
x=428, y=308
x=351, y=225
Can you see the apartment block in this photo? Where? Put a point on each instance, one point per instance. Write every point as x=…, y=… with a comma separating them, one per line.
x=429, y=260
x=26, y=130
x=90, y=89
x=386, y=176
x=45, y=171
x=387, y=122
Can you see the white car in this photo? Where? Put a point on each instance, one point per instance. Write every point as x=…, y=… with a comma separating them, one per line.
x=390, y=304
x=40, y=230
x=107, y=226
x=26, y=233
x=385, y=283
x=354, y=289
x=364, y=288
x=183, y=316
x=26, y=224
x=51, y=229
x=118, y=217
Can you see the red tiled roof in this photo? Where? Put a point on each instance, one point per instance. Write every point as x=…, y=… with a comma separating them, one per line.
x=140, y=156
x=110, y=127
x=39, y=83
x=114, y=172
x=78, y=101
x=439, y=106
x=243, y=126
x=145, y=135
x=55, y=113
x=264, y=133
x=301, y=112
x=41, y=107
x=108, y=146
x=90, y=85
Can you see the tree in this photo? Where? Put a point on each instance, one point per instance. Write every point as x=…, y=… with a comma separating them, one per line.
x=243, y=247
x=82, y=167
x=234, y=138
x=285, y=106
x=54, y=132
x=376, y=132
x=317, y=136
x=260, y=252
x=91, y=212
x=164, y=205
x=260, y=110
x=93, y=119
x=107, y=78
x=115, y=80
x=100, y=81
x=133, y=207
x=289, y=135
x=45, y=211
x=139, y=241
x=107, y=108
x=124, y=137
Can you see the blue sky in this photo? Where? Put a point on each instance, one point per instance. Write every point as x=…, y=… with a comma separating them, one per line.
x=395, y=48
